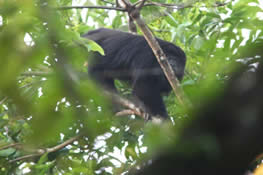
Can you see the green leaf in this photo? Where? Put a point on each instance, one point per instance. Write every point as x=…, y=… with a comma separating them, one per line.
x=198, y=42
x=7, y=152
x=92, y=46
x=116, y=22
x=188, y=82
x=43, y=158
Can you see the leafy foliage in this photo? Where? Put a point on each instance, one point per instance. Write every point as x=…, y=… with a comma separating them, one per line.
x=46, y=97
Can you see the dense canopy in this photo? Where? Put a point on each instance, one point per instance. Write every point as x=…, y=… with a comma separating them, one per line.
x=55, y=120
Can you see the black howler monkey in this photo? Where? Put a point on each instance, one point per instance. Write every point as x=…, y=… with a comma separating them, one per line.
x=128, y=57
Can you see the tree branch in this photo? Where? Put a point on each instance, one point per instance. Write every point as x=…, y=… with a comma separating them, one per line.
x=141, y=5
x=3, y=100
x=25, y=157
x=173, y=6
x=107, y=2
x=133, y=109
x=180, y=6
x=36, y=73
x=40, y=152
x=10, y=146
x=62, y=145
x=125, y=112
x=91, y=7
x=158, y=52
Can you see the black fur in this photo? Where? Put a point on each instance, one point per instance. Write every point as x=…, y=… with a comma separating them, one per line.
x=128, y=57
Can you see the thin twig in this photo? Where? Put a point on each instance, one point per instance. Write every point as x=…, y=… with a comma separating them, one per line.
x=36, y=74
x=91, y=7
x=10, y=146
x=127, y=103
x=62, y=145
x=179, y=6
x=174, y=6
x=108, y=2
x=141, y=4
x=40, y=152
x=125, y=112
x=3, y=100
x=25, y=157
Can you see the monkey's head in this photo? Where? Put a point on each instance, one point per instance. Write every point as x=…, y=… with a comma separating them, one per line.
x=178, y=65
